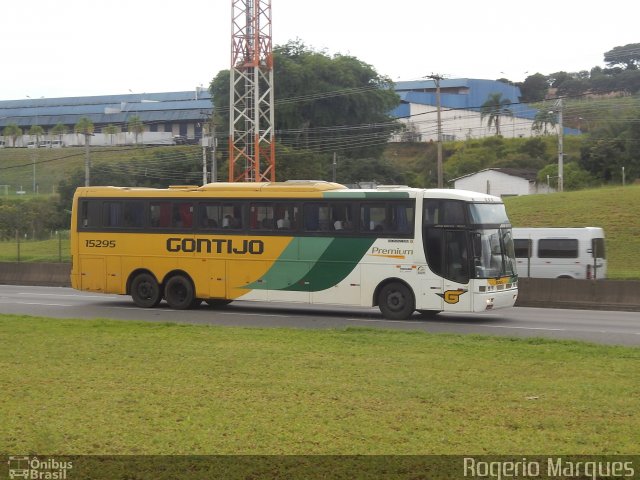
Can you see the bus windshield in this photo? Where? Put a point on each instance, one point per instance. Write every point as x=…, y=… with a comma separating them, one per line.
x=493, y=253
x=488, y=214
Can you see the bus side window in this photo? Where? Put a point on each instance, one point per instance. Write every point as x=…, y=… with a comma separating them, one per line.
x=133, y=214
x=183, y=215
x=112, y=214
x=160, y=214
x=90, y=214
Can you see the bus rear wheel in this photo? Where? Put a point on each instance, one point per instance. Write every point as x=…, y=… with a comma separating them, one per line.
x=396, y=301
x=145, y=291
x=178, y=292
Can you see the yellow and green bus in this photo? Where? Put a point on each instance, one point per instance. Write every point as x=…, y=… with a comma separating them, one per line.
x=402, y=249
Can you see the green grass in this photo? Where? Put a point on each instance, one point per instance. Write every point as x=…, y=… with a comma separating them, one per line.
x=615, y=209
x=53, y=250
x=109, y=387
x=56, y=164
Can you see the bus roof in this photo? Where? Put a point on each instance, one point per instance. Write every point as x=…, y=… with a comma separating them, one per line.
x=290, y=188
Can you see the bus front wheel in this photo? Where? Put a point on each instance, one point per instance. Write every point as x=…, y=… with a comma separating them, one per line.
x=145, y=291
x=178, y=292
x=396, y=301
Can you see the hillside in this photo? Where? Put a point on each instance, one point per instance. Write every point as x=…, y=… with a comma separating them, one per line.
x=55, y=164
x=615, y=209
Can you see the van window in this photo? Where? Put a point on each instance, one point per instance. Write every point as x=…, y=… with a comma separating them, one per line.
x=597, y=248
x=558, y=248
x=522, y=246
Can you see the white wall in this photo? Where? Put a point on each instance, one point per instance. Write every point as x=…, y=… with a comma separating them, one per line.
x=495, y=183
x=463, y=125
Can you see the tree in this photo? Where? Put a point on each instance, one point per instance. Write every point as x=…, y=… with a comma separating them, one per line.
x=324, y=103
x=13, y=131
x=543, y=119
x=59, y=129
x=573, y=178
x=627, y=56
x=534, y=88
x=84, y=127
x=36, y=131
x=494, y=107
x=135, y=126
x=110, y=130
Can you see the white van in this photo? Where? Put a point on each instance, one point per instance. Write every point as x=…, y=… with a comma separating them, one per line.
x=560, y=252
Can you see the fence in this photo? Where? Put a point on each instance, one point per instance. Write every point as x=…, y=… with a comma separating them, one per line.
x=53, y=249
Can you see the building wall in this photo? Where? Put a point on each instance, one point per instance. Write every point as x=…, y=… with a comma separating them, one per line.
x=462, y=125
x=495, y=183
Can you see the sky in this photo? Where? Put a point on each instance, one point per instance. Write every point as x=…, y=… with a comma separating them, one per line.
x=70, y=48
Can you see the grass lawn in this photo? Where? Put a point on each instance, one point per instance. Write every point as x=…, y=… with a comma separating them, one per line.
x=615, y=209
x=53, y=250
x=111, y=387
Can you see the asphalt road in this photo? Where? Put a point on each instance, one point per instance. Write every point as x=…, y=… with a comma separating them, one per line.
x=606, y=327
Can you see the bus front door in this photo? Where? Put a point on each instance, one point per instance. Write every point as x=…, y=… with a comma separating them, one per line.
x=455, y=292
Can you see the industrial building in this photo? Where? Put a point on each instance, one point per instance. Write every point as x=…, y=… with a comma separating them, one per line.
x=166, y=117
x=460, y=104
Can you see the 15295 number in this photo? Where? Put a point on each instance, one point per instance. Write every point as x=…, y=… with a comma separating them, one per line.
x=100, y=243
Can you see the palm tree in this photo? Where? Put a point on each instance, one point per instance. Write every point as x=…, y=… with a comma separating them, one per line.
x=85, y=127
x=542, y=119
x=36, y=131
x=13, y=131
x=494, y=107
x=110, y=130
x=59, y=129
x=135, y=126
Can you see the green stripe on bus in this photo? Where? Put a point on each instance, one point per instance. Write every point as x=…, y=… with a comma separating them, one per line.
x=333, y=266
x=336, y=258
x=293, y=263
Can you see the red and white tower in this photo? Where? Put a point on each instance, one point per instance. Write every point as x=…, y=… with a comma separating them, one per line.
x=251, y=118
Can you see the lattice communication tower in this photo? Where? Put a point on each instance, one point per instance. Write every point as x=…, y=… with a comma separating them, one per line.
x=251, y=118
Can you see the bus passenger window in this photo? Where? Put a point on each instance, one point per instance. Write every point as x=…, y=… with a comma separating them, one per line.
x=133, y=214
x=286, y=216
x=90, y=214
x=183, y=215
x=112, y=214
x=160, y=214
x=210, y=216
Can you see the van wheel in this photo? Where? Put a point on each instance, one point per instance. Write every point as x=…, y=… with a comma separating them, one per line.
x=145, y=291
x=396, y=301
x=178, y=292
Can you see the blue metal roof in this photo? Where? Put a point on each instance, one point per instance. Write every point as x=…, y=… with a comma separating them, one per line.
x=464, y=94
x=150, y=107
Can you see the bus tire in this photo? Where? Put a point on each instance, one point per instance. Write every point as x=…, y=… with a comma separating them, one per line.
x=145, y=291
x=178, y=292
x=396, y=301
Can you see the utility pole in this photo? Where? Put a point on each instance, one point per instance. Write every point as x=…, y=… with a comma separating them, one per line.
x=334, y=166
x=204, y=161
x=437, y=79
x=560, y=148
x=87, y=160
x=214, y=144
